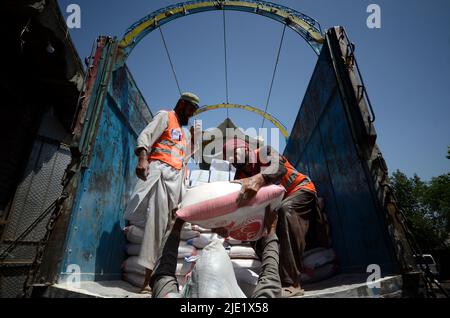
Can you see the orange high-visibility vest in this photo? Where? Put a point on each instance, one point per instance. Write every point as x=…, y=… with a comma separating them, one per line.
x=171, y=145
x=292, y=181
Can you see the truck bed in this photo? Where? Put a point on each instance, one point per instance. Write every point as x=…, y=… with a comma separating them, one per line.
x=339, y=286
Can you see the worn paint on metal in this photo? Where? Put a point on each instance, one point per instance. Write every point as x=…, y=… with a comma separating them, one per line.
x=89, y=88
x=321, y=144
x=95, y=240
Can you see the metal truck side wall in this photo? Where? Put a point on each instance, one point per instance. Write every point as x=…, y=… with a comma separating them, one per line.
x=322, y=145
x=95, y=241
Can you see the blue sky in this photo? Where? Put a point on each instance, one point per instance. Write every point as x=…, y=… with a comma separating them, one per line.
x=405, y=66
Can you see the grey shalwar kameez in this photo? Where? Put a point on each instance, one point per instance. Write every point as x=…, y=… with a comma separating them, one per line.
x=153, y=200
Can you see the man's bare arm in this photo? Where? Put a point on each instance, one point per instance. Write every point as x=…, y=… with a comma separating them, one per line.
x=142, y=165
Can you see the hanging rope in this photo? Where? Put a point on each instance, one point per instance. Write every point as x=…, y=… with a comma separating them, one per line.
x=273, y=76
x=226, y=73
x=226, y=58
x=170, y=60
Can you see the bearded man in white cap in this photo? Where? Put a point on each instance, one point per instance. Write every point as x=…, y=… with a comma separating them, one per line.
x=163, y=153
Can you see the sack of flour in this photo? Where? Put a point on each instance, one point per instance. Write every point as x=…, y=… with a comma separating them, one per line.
x=214, y=206
x=213, y=275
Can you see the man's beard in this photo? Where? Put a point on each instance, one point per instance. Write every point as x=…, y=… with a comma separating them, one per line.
x=184, y=120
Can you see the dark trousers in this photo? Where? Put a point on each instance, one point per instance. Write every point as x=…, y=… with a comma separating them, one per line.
x=294, y=217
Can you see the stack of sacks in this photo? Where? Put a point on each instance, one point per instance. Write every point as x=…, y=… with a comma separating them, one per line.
x=221, y=165
x=319, y=264
x=132, y=272
x=198, y=177
x=199, y=242
x=219, y=176
x=214, y=206
x=246, y=264
x=135, y=273
x=221, y=170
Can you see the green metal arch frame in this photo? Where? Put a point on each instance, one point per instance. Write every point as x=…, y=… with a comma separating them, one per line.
x=304, y=25
x=256, y=110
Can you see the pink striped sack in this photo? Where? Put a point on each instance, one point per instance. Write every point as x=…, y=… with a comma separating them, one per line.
x=213, y=205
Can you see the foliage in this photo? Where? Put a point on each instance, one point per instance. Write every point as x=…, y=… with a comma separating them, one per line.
x=426, y=206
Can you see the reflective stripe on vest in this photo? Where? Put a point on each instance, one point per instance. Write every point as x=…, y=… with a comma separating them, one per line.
x=170, y=146
x=167, y=152
x=306, y=184
x=294, y=180
x=290, y=180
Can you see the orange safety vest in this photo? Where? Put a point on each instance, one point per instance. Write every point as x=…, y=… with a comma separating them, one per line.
x=292, y=181
x=171, y=145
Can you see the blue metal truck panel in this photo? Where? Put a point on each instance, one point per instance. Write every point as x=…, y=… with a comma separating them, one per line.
x=95, y=241
x=322, y=145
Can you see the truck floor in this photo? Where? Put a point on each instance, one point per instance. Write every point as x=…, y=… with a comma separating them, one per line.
x=339, y=286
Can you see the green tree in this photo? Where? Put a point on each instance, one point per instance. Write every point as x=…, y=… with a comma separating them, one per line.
x=426, y=207
x=437, y=198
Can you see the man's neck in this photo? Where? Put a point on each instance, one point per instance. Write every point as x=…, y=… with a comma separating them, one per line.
x=178, y=118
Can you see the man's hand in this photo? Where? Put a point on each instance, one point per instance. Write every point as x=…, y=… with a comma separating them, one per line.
x=250, y=187
x=221, y=231
x=175, y=224
x=142, y=165
x=271, y=220
x=178, y=225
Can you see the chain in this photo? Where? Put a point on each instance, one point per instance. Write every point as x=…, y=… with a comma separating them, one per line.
x=31, y=276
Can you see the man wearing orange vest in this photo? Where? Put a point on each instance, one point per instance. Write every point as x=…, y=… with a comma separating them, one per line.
x=162, y=151
x=256, y=168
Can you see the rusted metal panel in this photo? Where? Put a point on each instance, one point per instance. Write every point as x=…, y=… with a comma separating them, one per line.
x=323, y=144
x=88, y=89
x=356, y=100
x=95, y=241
